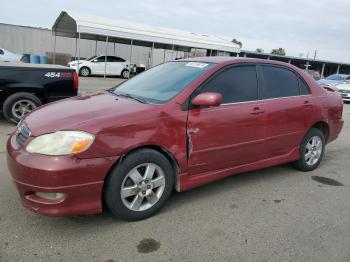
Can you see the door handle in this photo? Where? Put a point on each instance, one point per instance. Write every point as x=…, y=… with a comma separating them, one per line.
x=307, y=102
x=257, y=110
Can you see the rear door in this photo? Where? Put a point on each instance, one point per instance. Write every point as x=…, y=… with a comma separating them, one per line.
x=231, y=134
x=115, y=65
x=289, y=107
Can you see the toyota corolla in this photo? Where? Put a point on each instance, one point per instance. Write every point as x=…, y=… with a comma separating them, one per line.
x=177, y=126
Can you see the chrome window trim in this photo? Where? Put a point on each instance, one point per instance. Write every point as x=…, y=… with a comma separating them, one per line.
x=261, y=100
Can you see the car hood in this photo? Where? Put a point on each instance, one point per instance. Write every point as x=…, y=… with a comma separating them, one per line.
x=329, y=82
x=343, y=87
x=86, y=113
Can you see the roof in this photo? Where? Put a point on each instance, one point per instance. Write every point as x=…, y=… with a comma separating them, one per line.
x=69, y=24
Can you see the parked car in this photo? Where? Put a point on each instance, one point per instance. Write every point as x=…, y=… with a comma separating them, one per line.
x=314, y=74
x=344, y=90
x=7, y=56
x=335, y=79
x=179, y=125
x=96, y=65
x=24, y=87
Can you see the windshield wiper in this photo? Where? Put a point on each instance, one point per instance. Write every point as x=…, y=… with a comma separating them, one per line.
x=132, y=97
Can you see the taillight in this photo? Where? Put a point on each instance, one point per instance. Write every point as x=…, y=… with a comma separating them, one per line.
x=75, y=81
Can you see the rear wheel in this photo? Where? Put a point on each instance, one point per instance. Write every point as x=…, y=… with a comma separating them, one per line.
x=84, y=71
x=19, y=104
x=140, y=185
x=125, y=74
x=311, y=150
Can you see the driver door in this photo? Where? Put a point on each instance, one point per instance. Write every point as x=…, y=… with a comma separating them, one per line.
x=233, y=133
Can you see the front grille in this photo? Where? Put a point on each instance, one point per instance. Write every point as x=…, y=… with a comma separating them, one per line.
x=23, y=133
x=344, y=91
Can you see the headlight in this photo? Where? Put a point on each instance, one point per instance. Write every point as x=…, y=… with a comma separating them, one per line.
x=61, y=143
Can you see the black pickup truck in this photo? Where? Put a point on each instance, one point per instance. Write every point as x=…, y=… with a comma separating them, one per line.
x=24, y=87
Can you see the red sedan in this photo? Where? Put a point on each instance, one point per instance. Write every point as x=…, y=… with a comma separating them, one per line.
x=176, y=126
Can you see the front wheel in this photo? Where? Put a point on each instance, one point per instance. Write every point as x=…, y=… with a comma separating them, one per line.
x=311, y=150
x=140, y=185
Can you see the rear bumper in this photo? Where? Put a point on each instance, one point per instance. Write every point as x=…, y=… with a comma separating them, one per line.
x=79, y=180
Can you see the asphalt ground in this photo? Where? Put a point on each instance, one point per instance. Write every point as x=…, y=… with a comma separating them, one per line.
x=275, y=214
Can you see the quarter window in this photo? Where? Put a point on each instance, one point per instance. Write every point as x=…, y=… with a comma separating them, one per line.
x=1, y=52
x=279, y=82
x=235, y=84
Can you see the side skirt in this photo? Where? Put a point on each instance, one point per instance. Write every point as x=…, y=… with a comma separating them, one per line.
x=187, y=182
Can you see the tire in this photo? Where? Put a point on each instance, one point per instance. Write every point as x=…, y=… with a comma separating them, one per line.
x=125, y=74
x=311, y=153
x=84, y=71
x=19, y=104
x=138, y=193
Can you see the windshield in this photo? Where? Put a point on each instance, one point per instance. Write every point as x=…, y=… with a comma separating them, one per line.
x=336, y=77
x=90, y=58
x=161, y=83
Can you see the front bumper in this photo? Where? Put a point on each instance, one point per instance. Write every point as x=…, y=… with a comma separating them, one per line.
x=79, y=180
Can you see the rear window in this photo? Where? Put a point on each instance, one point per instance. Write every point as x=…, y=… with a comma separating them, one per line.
x=279, y=82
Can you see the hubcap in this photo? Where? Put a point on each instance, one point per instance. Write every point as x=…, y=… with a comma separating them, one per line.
x=313, y=150
x=22, y=107
x=126, y=74
x=85, y=72
x=142, y=187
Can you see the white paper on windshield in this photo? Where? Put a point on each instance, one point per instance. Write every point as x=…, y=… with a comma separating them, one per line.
x=196, y=64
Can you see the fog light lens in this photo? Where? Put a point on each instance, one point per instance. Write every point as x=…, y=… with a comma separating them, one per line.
x=50, y=195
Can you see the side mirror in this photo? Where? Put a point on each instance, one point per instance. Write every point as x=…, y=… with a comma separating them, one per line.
x=207, y=99
x=94, y=61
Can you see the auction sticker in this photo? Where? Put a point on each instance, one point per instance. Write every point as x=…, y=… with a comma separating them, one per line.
x=196, y=64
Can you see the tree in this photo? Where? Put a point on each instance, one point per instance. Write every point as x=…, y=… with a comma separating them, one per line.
x=278, y=51
x=237, y=42
x=259, y=50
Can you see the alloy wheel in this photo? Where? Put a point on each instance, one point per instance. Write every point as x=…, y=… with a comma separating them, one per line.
x=22, y=107
x=313, y=150
x=142, y=187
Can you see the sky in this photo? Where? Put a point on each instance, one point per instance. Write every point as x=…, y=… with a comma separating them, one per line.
x=298, y=26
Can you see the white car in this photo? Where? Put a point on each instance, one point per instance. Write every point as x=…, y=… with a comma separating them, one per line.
x=95, y=65
x=7, y=56
x=344, y=90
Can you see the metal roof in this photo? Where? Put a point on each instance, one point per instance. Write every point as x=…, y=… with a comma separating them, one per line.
x=70, y=24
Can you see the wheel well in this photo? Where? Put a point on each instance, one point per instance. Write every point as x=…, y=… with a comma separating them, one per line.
x=159, y=149
x=40, y=94
x=323, y=126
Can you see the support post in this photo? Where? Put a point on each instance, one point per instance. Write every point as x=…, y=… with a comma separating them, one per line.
x=322, y=70
x=54, y=49
x=151, y=56
x=114, y=48
x=338, y=69
x=172, y=53
x=211, y=52
x=96, y=47
x=289, y=61
x=164, y=55
x=76, y=48
x=131, y=51
x=195, y=52
x=78, y=53
x=104, y=76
